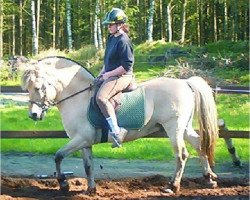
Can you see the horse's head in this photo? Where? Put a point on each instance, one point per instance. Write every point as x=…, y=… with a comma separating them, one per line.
x=42, y=91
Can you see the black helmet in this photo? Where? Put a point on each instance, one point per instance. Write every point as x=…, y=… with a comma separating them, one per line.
x=116, y=15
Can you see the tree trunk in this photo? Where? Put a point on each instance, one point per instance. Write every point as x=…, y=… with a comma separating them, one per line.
x=151, y=20
x=68, y=18
x=34, y=35
x=21, y=27
x=215, y=22
x=225, y=21
x=57, y=25
x=54, y=25
x=198, y=24
x=169, y=21
x=162, y=21
x=246, y=24
x=183, y=27
x=95, y=28
x=99, y=30
x=38, y=23
x=1, y=31
x=13, y=35
x=236, y=22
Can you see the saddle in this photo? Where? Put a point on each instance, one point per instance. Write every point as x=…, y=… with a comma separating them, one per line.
x=129, y=107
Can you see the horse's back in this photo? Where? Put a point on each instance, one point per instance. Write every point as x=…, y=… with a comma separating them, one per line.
x=167, y=87
x=168, y=98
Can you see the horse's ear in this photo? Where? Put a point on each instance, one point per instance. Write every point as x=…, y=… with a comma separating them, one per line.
x=28, y=76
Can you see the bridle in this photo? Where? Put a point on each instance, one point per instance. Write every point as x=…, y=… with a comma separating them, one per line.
x=45, y=105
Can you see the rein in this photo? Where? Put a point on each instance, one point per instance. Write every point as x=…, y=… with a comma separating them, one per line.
x=87, y=88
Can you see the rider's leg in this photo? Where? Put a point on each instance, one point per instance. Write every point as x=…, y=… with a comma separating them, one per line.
x=108, y=89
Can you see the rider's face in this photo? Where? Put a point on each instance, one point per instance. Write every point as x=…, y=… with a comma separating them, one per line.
x=112, y=28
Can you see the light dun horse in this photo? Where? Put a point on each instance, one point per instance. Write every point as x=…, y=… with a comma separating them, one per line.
x=169, y=104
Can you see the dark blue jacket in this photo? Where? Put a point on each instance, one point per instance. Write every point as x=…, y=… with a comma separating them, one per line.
x=119, y=52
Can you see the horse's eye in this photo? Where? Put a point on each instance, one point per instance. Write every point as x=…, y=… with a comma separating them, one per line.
x=37, y=89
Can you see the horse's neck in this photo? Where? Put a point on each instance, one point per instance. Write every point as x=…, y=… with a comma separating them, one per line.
x=72, y=81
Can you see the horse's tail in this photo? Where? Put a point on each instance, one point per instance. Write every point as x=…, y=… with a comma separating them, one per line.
x=207, y=115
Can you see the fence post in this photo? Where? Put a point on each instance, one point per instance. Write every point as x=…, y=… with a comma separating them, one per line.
x=229, y=142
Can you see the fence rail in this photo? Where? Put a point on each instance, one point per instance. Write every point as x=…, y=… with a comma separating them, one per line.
x=218, y=89
x=62, y=134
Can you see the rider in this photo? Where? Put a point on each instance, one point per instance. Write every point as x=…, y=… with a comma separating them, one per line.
x=117, y=71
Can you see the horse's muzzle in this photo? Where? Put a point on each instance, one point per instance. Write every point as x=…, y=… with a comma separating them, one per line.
x=36, y=117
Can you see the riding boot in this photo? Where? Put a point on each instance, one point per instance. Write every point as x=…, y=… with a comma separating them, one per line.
x=116, y=133
x=119, y=138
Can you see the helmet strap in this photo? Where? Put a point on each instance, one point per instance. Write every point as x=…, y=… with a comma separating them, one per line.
x=117, y=29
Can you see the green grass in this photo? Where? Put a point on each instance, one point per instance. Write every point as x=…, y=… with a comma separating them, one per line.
x=16, y=118
x=234, y=109
x=142, y=149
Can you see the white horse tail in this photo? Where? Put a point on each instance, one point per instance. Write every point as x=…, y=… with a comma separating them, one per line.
x=207, y=115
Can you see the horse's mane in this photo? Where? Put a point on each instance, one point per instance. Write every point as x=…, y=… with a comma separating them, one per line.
x=69, y=59
x=33, y=71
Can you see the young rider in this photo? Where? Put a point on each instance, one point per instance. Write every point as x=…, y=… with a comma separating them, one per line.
x=117, y=72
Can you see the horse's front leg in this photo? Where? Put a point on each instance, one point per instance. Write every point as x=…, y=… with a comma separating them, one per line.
x=89, y=169
x=75, y=144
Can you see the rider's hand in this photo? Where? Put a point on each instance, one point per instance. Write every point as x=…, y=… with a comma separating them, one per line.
x=106, y=75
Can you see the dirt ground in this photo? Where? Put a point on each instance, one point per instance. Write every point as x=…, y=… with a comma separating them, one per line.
x=117, y=179
x=130, y=188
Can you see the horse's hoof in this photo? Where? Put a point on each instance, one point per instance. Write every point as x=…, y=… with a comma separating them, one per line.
x=238, y=164
x=213, y=175
x=64, y=186
x=90, y=191
x=210, y=175
x=212, y=184
x=166, y=190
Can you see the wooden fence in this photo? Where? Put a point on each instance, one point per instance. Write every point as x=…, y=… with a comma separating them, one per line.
x=218, y=89
x=224, y=133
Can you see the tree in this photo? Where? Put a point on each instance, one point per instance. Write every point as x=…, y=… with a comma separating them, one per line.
x=183, y=27
x=169, y=21
x=68, y=21
x=34, y=33
x=95, y=25
x=71, y=24
x=151, y=20
x=54, y=25
x=38, y=22
x=13, y=35
x=225, y=20
x=21, y=27
x=1, y=30
x=99, y=30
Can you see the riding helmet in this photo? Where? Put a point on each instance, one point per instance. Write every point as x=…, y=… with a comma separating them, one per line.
x=115, y=16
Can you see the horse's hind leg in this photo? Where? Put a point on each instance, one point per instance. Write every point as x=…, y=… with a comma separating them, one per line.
x=194, y=139
x=175, y=134
x=89, y=169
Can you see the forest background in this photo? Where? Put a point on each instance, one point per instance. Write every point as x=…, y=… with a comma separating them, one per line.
x=29, y=26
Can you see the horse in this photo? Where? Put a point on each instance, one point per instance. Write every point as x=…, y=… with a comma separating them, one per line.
x=170, y=105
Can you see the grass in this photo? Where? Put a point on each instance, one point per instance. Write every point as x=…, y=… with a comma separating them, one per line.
x=142, y=149
x=16, y=118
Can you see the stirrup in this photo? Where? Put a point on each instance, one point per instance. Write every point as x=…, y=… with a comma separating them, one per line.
x=116, y=141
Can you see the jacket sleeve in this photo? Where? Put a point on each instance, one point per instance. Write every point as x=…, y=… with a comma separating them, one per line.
x=126, y=54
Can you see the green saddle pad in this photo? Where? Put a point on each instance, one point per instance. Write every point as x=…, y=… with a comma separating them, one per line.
x=130, y=115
